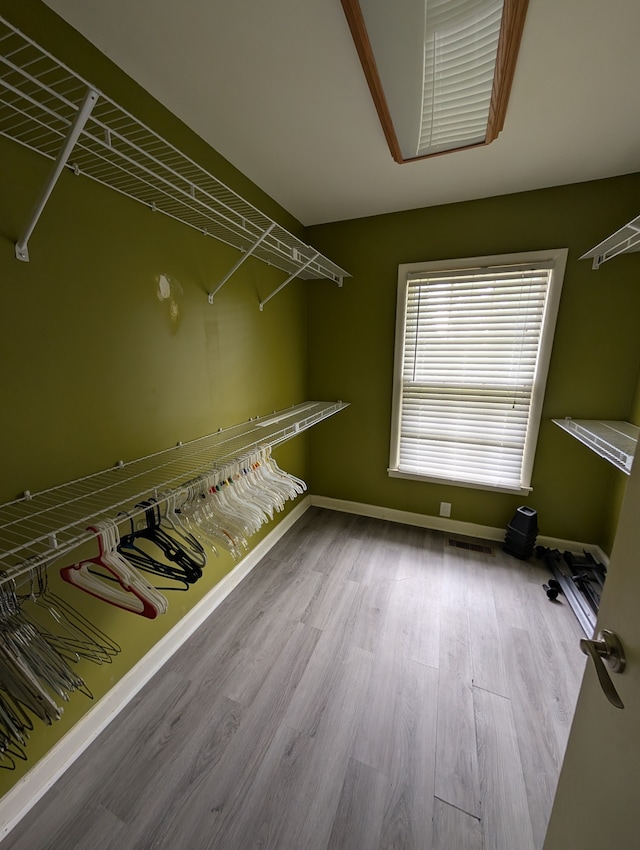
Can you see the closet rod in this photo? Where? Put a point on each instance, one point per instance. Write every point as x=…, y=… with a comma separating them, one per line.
x=38, y=528
x=190, y=476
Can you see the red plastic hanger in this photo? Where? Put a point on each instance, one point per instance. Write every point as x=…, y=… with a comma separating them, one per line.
x=124, y=595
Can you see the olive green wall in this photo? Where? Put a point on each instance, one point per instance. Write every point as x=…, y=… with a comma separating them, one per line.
x=615, y=503
x=95, y=367
x=594, y=364
x=635, y=408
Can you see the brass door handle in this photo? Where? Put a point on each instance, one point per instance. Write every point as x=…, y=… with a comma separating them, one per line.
x=606, y=647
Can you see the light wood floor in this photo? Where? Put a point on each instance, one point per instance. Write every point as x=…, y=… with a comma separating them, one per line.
x=367, y=686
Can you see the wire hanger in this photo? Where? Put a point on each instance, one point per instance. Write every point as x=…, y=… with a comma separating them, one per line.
x=62, y=625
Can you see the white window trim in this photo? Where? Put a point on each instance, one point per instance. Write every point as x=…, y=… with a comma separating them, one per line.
x=558, y=257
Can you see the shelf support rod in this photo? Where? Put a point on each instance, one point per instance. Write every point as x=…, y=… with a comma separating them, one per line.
x=290, y=278
x=76, y=127
x=244, y=257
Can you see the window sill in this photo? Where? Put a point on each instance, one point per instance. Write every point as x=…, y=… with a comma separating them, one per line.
x=429, y=479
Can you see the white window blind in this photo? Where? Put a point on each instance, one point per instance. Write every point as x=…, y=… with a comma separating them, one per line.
x=470, y=379
x=460, y=50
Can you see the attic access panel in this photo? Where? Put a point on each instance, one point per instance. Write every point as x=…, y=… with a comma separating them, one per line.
x=439, y=73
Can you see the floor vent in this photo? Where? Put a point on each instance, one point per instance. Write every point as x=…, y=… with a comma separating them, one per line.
x=471, y=547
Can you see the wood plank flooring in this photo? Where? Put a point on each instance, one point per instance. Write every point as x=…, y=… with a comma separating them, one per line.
x=367, y=687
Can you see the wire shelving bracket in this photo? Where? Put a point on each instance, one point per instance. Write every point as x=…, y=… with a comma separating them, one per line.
x=40, y=102
x=289, y=279
x=40, y=527
x=612, y=440
x=621, y=242
x=242, y=259
x=75, y=128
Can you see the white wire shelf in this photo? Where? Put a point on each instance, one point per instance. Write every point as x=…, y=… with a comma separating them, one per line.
x=621, y=242
x=39, y=528
x=42, y=101
x=611, y=439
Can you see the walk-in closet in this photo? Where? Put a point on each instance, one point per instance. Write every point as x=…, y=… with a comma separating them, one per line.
x=235, y=610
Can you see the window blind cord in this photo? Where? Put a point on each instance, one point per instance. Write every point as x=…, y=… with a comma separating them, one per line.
x=415, y=347
x=515, y=375
x=523, y=336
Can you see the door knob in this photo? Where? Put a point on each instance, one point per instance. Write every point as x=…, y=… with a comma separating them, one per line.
x=606, y=647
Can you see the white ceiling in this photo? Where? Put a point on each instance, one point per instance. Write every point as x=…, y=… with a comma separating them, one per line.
x=276, y=87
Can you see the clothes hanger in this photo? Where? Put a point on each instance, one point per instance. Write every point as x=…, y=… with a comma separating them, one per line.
x=176, y=564
x=253, y=491
x=33, y=674
x=22, y=684
x=298, y=484
x=15, y=721
x=34, y=669
x=231, y=504
x=47, y=665
x=15, y=726
x=275, y=485
x=130, y=576
x=172, y=522
x=63, y=626
x=279, y=491
x=132, y=592
x=190, y=515
x=204, y=516
x=286, y=485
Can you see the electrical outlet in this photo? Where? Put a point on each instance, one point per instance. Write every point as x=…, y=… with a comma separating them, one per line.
x=445, y=508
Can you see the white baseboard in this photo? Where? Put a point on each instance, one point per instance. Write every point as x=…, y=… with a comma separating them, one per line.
x=27, y=791
x=451, y=526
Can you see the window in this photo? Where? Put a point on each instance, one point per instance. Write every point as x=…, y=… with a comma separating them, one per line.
x=473, y=341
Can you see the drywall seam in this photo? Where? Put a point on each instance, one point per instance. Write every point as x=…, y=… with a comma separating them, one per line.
x=33, y=785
